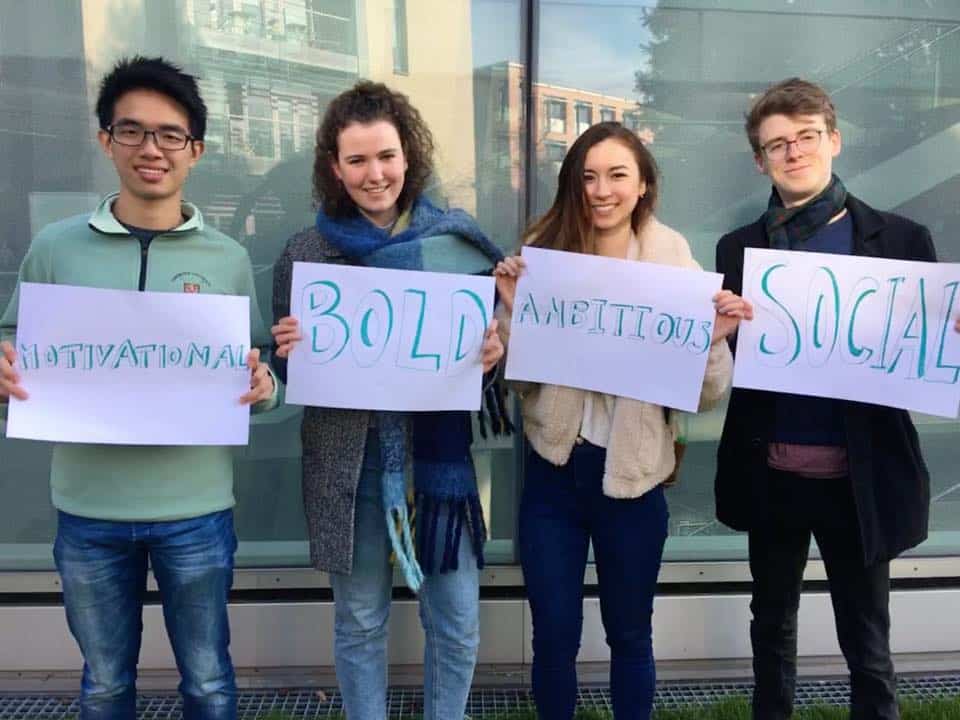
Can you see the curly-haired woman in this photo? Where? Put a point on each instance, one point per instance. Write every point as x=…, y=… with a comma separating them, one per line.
x=374, y=156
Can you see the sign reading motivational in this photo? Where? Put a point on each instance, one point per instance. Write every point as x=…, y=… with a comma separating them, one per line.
x=380, y=339
x=131, y=368
x=636, y=329
x=853, y=328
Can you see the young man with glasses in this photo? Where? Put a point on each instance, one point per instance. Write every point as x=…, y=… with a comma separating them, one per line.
x=851, y=474
x=122, y=506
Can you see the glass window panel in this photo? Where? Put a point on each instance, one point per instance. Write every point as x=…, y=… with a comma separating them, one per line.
x=306, y=124
x=253, y=183
x=680, y=76
x=555, y=153
x=332, y=25
x=401, y=60
x=260, y=125
x=685, y=74
x=285, y=120
x=556, y=116
x=584, y=117
x=294, y=21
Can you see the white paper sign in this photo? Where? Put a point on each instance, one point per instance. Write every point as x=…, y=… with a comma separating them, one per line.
x=635, y=329
x=380, y=339
x=131, y=368
x=853, y=328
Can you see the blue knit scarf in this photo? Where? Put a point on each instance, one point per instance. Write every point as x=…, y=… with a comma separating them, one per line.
x=437, y=442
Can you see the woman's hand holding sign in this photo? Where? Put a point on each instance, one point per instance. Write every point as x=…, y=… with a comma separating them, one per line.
x=286, y=334
x=492, y=347
x=506, y=274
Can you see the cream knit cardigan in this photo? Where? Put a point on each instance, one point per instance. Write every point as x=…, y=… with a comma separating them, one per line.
x=640, y=452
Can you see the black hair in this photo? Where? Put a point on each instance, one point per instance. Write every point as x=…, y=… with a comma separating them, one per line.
x=141, y=73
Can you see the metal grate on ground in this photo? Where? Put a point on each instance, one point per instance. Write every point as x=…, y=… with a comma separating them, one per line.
x=407, y=703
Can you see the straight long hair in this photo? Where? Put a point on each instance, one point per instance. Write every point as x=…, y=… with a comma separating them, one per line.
x=567, y=225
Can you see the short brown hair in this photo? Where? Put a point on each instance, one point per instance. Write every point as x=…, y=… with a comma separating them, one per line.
x=566, y=225
x=789, y=97
x=368, y=102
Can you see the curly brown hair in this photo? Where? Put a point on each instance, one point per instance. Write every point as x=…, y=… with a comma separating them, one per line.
x=367, y=102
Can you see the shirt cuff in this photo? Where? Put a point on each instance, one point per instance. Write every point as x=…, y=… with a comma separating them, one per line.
x=271, y=402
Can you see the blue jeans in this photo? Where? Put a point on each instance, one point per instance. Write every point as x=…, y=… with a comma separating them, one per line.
x=449, y=612
x=562, y=510
x=103, y=568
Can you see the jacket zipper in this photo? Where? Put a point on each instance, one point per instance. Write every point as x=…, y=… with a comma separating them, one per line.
x=144, y=250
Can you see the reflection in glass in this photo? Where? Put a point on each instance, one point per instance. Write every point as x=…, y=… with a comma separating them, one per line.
x=681, y=75
x=685, y=75
x=266, y=70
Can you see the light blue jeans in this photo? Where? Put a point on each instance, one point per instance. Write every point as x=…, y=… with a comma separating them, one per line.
x=449, y=612
x=103, y=568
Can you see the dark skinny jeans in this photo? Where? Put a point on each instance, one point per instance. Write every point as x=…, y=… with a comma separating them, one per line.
x=563, y=509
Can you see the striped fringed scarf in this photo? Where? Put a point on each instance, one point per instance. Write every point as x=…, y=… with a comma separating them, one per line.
x=445, y=485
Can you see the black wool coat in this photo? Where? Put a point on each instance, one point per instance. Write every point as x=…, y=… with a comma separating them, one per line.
x=891, y=485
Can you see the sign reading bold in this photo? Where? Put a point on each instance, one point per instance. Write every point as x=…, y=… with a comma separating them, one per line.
x=131, y=368
x=635, y=329
x=380, y=339
x=853, y=328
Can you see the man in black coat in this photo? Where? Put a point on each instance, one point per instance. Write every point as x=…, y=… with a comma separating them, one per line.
x=789, y=466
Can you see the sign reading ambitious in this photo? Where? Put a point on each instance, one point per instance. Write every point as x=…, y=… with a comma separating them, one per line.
x=636, y=329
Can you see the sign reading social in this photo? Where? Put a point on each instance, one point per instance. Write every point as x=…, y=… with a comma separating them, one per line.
x=125, y=367
x=380, y=339
x=853, y=328
x=635, y=329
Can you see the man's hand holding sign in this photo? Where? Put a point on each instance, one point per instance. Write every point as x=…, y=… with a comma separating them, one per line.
x=9, y=377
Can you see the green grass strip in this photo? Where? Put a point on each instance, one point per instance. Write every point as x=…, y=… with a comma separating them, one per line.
x=736, y=708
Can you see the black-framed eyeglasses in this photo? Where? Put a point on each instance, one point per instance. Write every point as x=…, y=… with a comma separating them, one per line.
x=134, y=135
x=806, y=141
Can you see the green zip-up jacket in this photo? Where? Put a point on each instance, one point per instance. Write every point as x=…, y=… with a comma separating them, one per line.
x=144, y=483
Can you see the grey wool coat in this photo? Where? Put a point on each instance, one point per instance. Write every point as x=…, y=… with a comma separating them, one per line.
x=333, y=439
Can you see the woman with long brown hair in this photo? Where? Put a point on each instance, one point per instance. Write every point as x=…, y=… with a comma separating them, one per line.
x=596, y=462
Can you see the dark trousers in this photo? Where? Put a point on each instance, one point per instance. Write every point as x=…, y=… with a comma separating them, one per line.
x=860, y=595
x=562, y=510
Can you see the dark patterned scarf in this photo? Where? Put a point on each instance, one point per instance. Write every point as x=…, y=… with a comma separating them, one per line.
x=789, y=228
